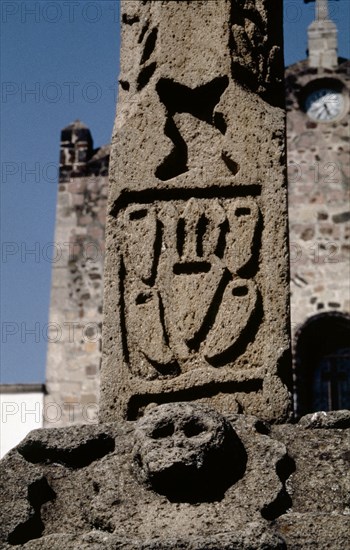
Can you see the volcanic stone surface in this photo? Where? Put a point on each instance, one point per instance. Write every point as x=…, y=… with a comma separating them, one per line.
x=212, y=483
x=181, y=477
x=196, y=279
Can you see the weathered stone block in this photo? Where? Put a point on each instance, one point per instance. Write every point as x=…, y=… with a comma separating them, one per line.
x=127, y=485
x=181, y=477
x=196, y=279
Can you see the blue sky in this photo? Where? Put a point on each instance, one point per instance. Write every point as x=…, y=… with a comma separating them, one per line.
x=59, y=62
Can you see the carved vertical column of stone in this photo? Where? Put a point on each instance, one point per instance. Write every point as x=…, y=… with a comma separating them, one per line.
x=196, y=279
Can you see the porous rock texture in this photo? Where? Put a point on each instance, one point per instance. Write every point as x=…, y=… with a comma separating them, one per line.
x=128, y=485
x=196, y=277
x=86, y=485
x=319, y=486
x=195, y=318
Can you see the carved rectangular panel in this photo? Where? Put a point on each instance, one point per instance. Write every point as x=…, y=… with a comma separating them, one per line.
x=204, y=251
x=196, y=296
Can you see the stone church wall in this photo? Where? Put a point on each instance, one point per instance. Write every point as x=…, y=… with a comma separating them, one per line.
x=74, y=351
x=318, y=190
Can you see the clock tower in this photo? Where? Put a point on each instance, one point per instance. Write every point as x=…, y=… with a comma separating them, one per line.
x=318, y=136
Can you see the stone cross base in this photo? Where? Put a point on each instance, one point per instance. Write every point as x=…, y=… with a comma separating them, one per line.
x=182, y=477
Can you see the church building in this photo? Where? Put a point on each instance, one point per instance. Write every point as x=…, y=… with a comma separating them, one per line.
x=318, y=135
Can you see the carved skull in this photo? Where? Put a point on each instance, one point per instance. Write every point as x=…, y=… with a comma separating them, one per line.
x=187, y=452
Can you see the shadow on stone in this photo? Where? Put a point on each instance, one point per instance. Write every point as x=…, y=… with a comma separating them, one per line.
x=284, y=468
x=36, y=451
x=39, y=492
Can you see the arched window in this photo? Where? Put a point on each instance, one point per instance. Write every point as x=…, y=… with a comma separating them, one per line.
x=322, y=364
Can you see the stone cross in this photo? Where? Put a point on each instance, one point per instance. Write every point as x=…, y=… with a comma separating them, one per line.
x=322, y=10
x=196, y=279
x=322, y=39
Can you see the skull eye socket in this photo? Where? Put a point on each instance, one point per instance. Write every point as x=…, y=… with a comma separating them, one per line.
x=194, y=427
x=163, y=430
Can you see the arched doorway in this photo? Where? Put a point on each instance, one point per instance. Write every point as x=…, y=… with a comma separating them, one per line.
x=322, y=364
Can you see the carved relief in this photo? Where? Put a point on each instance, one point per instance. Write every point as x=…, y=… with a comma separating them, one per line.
x=197, y=227
x=191, y=113
x=189, y=298
x=190, y=453
x=253, y=34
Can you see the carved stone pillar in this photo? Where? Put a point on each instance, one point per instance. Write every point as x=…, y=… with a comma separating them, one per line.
x=196, y=295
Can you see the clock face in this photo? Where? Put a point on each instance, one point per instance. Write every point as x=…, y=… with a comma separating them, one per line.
x=324, y=104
